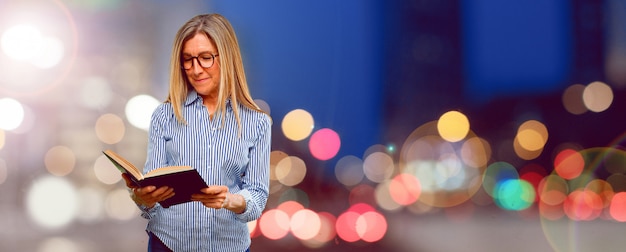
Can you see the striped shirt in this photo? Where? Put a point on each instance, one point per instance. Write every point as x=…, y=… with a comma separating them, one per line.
x=222, y=157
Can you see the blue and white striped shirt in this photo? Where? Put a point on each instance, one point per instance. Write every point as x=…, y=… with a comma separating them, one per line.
x=222, y=157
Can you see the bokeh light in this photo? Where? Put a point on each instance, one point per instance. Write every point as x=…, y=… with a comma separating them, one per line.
x=51, y=53
x=275, y=158
x=110, y=128
x=497, y=173
x=514, y=194
x=105, y=171
x=361, y=222
x=324, y=144
x=582, y=205
x=22, y=42
x=55, y=244
x=476, y=152
x=553, y=190
x=371, y=226
x=60, y=160
x=297, y=124
x=405, y=189
x=347, y=226
x=139, y=110
x=2, y=138
x=290, y=171
x=453, y=126
x=326, y=232
x=573, y=99
x=533, y=174
x=253, y=228
x=598, y=96
x=119, y=206
x=91, y=207
x=349, y=170
x=28, y=121
x=11, y=114
x=569, y=164
x=378, y=166
x=52, y=202
x=305, y=224
x=383, y=197
x=274, y=224
x=4, y=172
x=445, y=179
x=532, y=135
x=618, y=207
x=603, y=189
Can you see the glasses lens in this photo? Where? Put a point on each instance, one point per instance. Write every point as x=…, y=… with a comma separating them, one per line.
x=187, y=63
x=205, y=61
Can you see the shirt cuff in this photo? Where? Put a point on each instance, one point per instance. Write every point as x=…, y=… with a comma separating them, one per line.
x=148, y=213
x=247, y=214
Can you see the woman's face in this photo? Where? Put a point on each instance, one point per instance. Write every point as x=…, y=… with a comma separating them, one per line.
x=204, y=80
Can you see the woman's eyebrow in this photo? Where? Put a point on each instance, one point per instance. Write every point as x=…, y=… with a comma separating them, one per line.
x=201, y=53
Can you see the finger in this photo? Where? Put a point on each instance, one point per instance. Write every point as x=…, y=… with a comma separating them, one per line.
x=209, y=190
x=128, y=181
x=145, y=190
x=166, y=195
x=225, y=201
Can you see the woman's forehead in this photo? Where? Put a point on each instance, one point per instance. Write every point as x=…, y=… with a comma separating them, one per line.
x=199, y=43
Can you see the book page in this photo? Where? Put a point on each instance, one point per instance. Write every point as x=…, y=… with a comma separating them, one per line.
x=167, y=170
x=124, y=163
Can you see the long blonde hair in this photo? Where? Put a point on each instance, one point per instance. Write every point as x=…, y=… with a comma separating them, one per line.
x=233, y=82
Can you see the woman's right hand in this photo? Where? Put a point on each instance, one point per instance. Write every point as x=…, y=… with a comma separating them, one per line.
x=147, y=196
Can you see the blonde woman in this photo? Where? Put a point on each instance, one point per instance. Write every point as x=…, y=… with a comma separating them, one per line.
x=210, y=122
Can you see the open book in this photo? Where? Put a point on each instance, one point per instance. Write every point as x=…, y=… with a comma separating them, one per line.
x=184, y=179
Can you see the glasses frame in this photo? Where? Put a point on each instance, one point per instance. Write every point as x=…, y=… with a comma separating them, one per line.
x=182, y=61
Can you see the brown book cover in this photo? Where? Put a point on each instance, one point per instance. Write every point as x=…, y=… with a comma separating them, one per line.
x=184, y=179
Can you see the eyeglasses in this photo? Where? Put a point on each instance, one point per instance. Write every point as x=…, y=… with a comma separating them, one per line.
x=205, y=61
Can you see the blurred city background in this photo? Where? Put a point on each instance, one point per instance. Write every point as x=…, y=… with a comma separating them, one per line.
x=410, y=125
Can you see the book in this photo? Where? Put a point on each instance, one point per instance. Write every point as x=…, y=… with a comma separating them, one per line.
x=185, y=180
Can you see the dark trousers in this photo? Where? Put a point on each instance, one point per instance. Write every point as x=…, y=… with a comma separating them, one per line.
x=156, y=245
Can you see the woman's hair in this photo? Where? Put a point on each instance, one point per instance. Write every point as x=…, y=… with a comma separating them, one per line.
x=233, y=82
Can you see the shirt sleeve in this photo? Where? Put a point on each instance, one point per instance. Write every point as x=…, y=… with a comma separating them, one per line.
x=156, y=154
x=255, y=188
x=148, y=213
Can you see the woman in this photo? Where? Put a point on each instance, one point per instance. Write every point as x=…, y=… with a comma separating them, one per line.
x=210, y=122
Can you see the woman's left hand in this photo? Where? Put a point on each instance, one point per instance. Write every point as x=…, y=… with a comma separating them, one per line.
x=218, y=197
x=212, y=196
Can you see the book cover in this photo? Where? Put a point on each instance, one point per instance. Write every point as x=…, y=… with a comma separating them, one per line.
x=185, y=180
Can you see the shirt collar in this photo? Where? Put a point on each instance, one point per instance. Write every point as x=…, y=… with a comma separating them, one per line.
x=193, y=96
